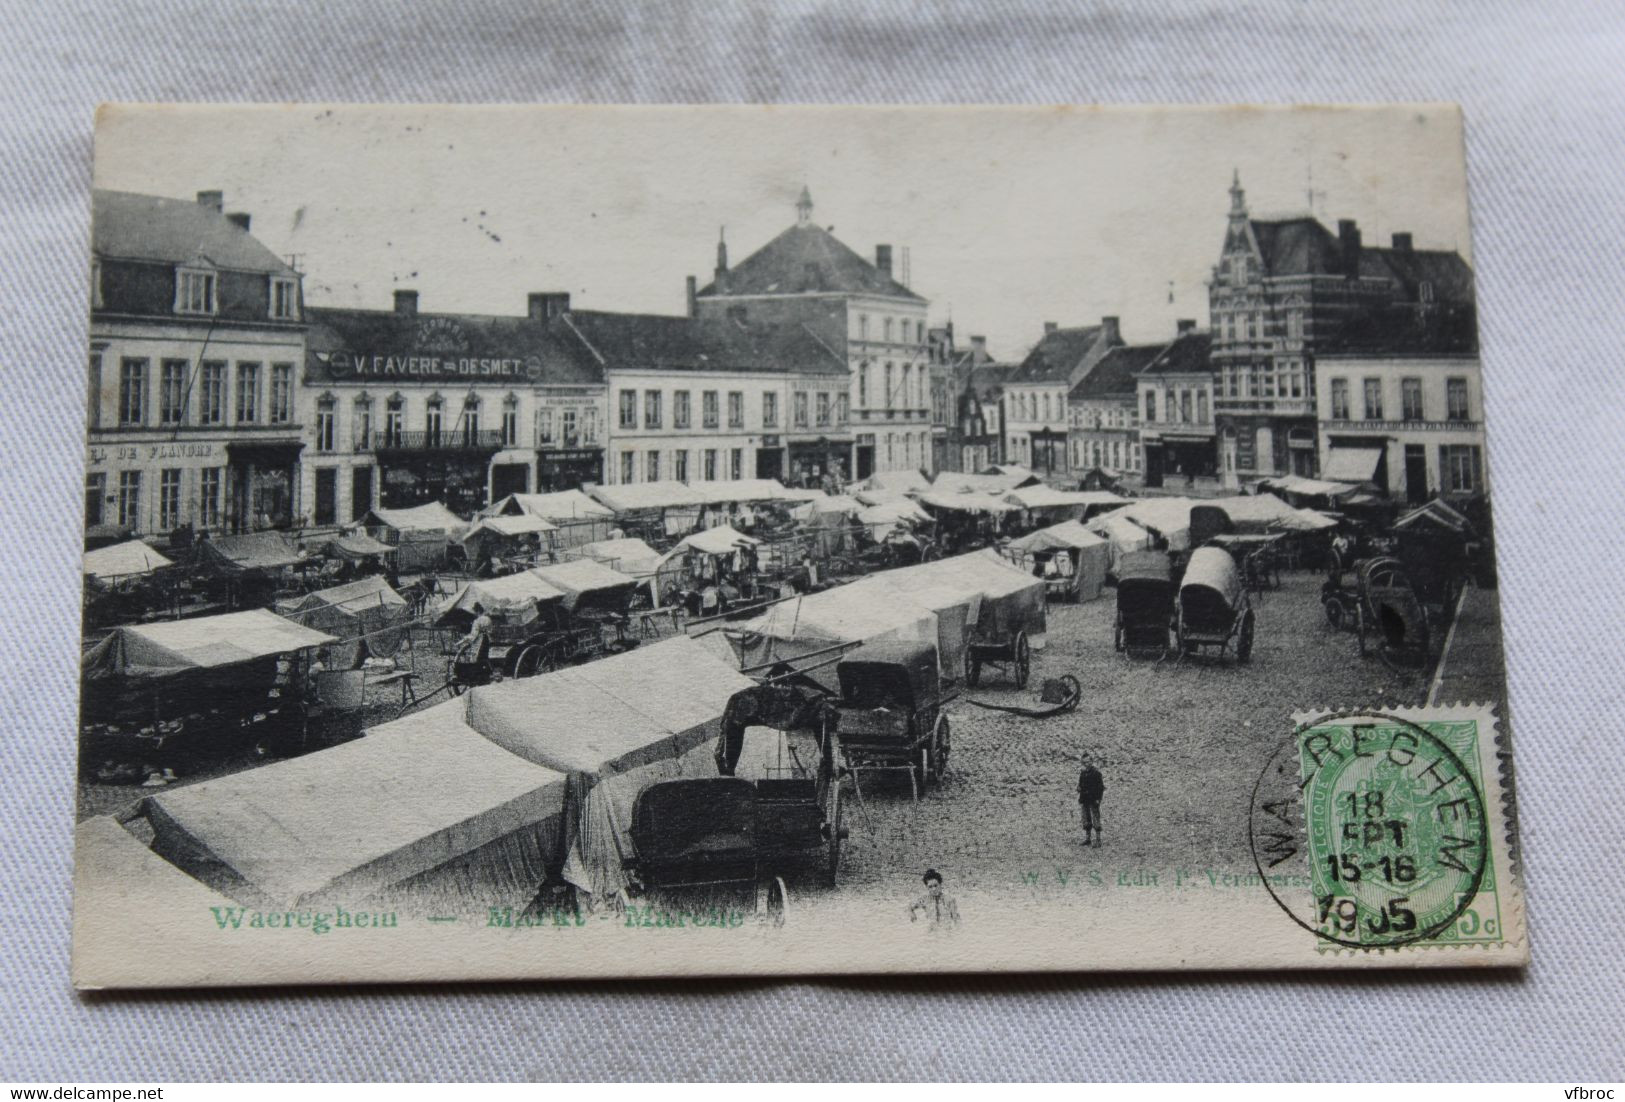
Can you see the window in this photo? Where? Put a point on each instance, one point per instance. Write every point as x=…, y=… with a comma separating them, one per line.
x=194, y=292
x=132, y=392
x=1046, y=406
x=93, y=392
x=651, y=409
x=129, y=499
x=863, y=327
x=324, y=426
x=210, y=481
x=801, y=409
x=679, y=465
x=888, y=385
x=823, y=408
x=1185, y=406
x=1425, y=291
x=281, y=394
x=510, y=422
x=770, y=410
x=284, y=299
x=651, y=466
x=248, y=393
x=1294, y=325
x=905, y=390
x=710, y=468
x=471, y=421
x=888, y=330
x=544, y=428
x=1455, y=399
x=629, y=409
x=863, y=384
x=1150, y=406
x=169, y=498
x=1461, y=467
x=395, y=421
x=212, y=396
x=842, y=413
x=95, y=497
x=1201, y=407
x=736, y=409
x=1410, y=399
x=919, y=332
x=682, y=409
x=570, y=436
x=708, y=409
x=1373, y=399
x=172, y=393
x=1340, y=399
x=361, y=423
x=628, y=474
x=736, y=464
x=434, y=415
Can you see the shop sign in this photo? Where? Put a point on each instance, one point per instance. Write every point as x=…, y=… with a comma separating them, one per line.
x=136, y=453
x=439, y=349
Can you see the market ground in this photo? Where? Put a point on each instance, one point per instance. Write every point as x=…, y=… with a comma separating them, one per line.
x=1180, y=744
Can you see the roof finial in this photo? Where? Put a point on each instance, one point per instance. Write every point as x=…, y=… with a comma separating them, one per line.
x=1238, y=198
x=722, y=250
x=804, y=207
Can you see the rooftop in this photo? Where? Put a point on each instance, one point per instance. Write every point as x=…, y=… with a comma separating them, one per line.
x=128, y=226
x=1113, y=376
x=1057, y=355
x=1186, y=354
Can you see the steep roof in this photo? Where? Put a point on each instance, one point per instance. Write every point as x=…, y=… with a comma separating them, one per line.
x=806, y=259
x=129, y=226
x=1113, y=376
x=1057, y=355
x=1300, y=245
x=1297, y=246
x=1187, y=354
x=1445, y=272
x=1405, y=329
x=677, y=343
x=552, y=356
x=987, y=378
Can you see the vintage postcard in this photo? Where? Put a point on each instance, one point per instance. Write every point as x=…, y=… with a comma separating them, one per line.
x=542, y=542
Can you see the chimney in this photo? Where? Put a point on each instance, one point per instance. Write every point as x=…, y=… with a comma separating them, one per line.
x=1050, y=327
x=883, y=258
x=406, y=303
x=1348, y=235
x=722, y=253
x=1185, y=325
x=239, y=219
x=693, y=297
x=978, y=349
x=1402, y=242
x=555, y=304
x=536, y=306
x=1111, y=330
x=213, y=200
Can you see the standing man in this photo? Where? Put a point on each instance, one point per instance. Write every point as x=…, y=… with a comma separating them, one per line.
x=938, y=907
x=1091, y=786
x=479, y=635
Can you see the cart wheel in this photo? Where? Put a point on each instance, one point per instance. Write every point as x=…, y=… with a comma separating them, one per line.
x=1334, y=613
x=529, y=662
x=939, y=749
x=1024, y=660
x=1244, y=640
x=778, y=902
x=922, y=771
x=457, y=688
x=973, y=670
x=836, y=830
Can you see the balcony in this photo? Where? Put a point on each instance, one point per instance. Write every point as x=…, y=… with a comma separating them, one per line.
x=424, y=440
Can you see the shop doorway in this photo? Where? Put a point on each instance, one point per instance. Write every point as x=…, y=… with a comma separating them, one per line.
x=360, y=492
x=770, y=463
x=866, y=462
x=327, y=496
x=509, y=478
x=1416, y=473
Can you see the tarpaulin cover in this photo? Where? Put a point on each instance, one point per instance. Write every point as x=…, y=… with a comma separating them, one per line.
x=1088, y=555
x=176, y=646
x=1254, y=512
x=1347, y=463
x=797, y=493
x=970, y=501
x=248, y=551
x=845, y=614
x=561, y=505
x=1169, y=517
x=122, y=560
x=1012, y=599
x=367, y=607
x=1123, y=536
x=739, y=490
x=630, y=556
x=358, y=545
x=510, y=527
x=721, y=540
x=1214, y=568
x=1310, y=487
x=825, y=505
x=115, y=875
x=883, y=497
x=1304, y=520
x=1069, y=535
x=880, y=519
x=584, y=579
x=636, y=496
x=520, y=592
x=899, y=481
x=1076, y=502
x=950, y=482
x=423, y=795
x=433, y=517
x=956, y=607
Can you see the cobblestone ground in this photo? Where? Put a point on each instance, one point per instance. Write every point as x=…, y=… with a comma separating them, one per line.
x=1180, y=744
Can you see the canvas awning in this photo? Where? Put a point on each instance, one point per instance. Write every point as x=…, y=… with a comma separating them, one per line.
x=845, y=614
x=970, y=501
x=358, y=545
x=629, y=556
x=825, y=504
x=1047, y=497
x=366, y=607
x=1309, y=487
x=1349, y=463
x=1124, y=536
x=423, y=794
x=897, y=481
x=207, y=642
x=739, y=491
x=123, y=560
x=561, y=505
x=1012, y=599
x=721, y=540
x=248, y=551
x=587, y=582
x=433, y=517
x=1439, y=514
x=511, y=526
x=1068, y=535
x=1089, y=556
x=1169, y=517
x=991, y=483
x=519, y=593
x=635, y=497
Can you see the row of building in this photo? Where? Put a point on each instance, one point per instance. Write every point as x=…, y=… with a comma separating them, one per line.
x=220, y=399
x=1325, y=357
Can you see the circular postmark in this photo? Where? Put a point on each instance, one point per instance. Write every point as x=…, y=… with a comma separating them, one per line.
x=1369, y=830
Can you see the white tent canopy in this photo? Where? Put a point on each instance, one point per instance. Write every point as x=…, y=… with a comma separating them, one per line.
x=522, y=525
x=969, y=501
x=207, y=642
x=1075, y=501
x=845, y=614
x=721, y=540
x=997, y=484
x=1309, y=487
x=1088, y=555
x=578, y=578
x=635, y=497
x=1123, y=535
x=1168, y=517
x=123, y=560
x=740, y=490
x=1012, y=599
x=433, y=517
x=347, y=824
x=520, y=592
x=629, y=556
x=561, y=505
x=900, y=481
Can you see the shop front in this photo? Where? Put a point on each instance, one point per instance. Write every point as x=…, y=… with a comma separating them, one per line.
x=261, y=481
x=1177, y=457
x=770, y=458
x=811, y=460
x=416, y=469
x=566, y=469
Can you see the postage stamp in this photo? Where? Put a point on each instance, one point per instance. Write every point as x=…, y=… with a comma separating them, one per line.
x=609, y=542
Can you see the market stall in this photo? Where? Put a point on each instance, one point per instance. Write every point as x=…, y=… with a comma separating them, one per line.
x=1123, y=536
x=502, y=543
x=652, y=510
x=367, y=617
x=1072, y=560
x=420, y=535
x=578, y=518
x=818, y=621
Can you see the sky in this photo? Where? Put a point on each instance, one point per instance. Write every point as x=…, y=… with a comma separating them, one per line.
x=1011, y=216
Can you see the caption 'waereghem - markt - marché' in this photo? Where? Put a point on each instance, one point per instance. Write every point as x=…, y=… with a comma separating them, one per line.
x=794, y=594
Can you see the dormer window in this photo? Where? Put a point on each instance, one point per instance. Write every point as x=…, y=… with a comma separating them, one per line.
x=195, y=292
x=1426, y=291
x=284, y=299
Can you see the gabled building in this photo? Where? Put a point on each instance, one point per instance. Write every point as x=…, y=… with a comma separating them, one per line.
x=973, y=381
x=805, y=276
x=197, y=331
x=1283, y=286
x=716, y=398
x=1175, y=401
x=1037, y=393
x=1104, y=430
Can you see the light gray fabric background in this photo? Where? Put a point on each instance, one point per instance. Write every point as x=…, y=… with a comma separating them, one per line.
x=1542, y=86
